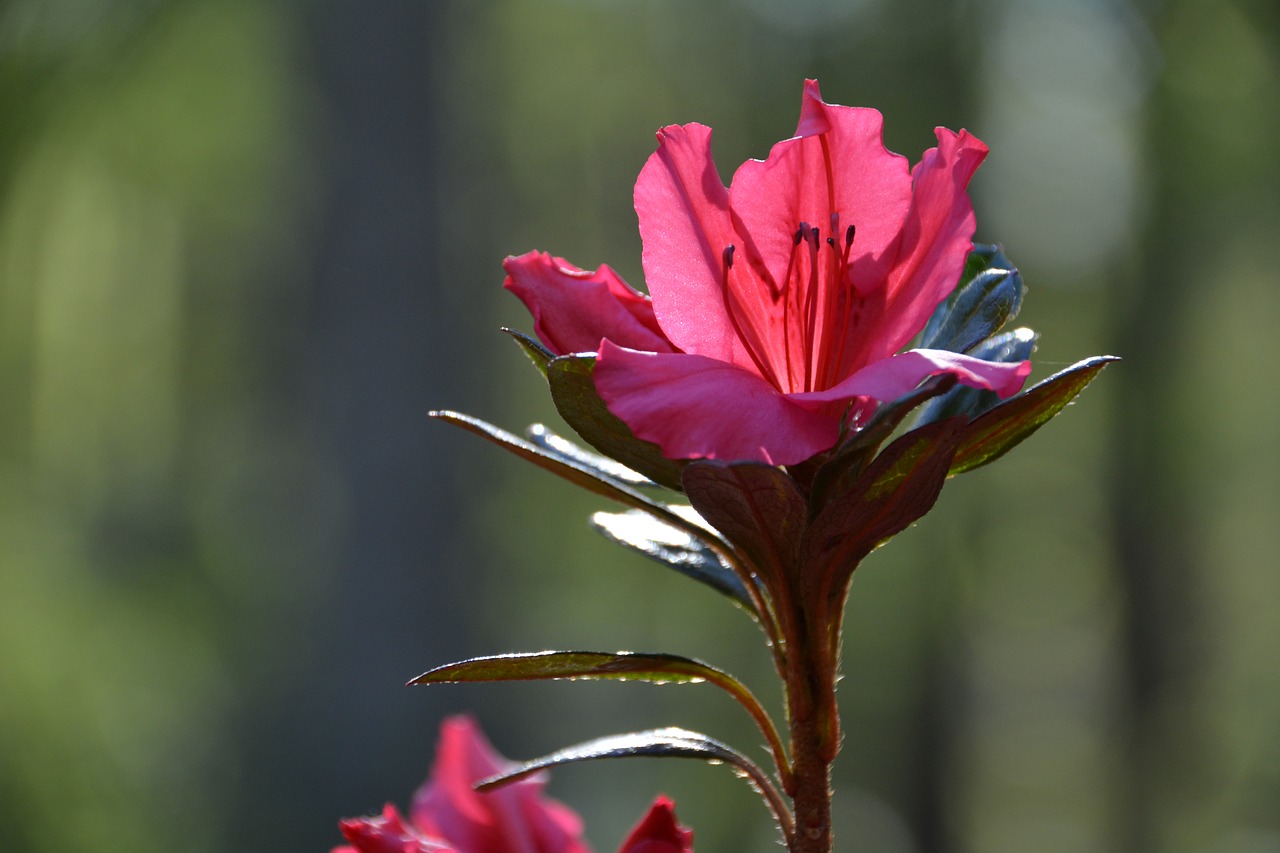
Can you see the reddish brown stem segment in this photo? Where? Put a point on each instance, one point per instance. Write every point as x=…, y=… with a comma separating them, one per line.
x=814, y=741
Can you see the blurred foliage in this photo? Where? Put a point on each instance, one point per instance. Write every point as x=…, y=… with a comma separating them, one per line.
x=244, y=247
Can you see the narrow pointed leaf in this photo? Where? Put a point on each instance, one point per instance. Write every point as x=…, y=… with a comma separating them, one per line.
x=655, y=743
x=538, y=354
x=612, y=666
x=570, y=452
x=1001, y=429
x=1006, y=348
x=757, y=507
x=674, y=548
x=655, y=668
x=587, y=478
x=576, y=398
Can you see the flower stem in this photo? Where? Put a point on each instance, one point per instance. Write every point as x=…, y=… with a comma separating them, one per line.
x=814, y=741
x=812, y=797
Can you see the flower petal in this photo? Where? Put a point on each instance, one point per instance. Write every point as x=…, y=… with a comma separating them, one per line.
x=515, y=817
x=893, y=377
x=836, y=163
x=659, y=832
x=683, y=209
x=386, y=833
x=696, y=407
x=574, y=309
x=936, y=240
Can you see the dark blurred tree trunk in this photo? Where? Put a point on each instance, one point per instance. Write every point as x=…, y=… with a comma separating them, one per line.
x=378, y=349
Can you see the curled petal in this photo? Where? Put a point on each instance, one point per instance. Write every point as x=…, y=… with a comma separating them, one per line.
x=659, y=832
x=893, y=377
x=573, y=309
x=699, y=408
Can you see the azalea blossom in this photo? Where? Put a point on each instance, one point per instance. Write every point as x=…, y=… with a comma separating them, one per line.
x=449, y=816
x=778, y=305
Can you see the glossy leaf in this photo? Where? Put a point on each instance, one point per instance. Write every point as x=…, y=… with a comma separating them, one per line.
x=570, y=452
x=1008, y=424
x=1007, y=348
x=578, y=402
x=755, y=506
x=538, y=354
x=587, y=478
x=674, y=548
x=655, y=668
x=655, y=743
x=977, y=311
x=989, y=295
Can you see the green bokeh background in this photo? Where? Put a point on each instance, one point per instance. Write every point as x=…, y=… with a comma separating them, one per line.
x=246, y=245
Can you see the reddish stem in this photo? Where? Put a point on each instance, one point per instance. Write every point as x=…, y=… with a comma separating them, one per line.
x=814, y=740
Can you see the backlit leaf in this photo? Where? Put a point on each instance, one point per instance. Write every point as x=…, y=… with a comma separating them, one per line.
x=672, y=547
x=655, y=743
x=1001, y=429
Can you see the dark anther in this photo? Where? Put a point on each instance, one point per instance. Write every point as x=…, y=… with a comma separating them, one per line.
x=728, y=255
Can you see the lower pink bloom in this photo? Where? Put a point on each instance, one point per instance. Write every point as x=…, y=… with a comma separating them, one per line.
x=658, y=832
x=779, y=303
x=449, y=816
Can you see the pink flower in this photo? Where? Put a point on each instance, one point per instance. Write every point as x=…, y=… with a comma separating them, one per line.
x=779, y=304
x=658, y=832
x=449, y=816
x=387, y=833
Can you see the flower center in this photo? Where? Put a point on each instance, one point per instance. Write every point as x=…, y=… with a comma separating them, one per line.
x=795, y=330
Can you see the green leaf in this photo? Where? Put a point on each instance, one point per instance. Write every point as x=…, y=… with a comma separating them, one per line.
x=655, y=668
x=1006, y=348
x=1001, y=429
x=589, y=479
x=578, y=402
x=538, y=354
x=570, y=452
x=899, y=487
x=615, y=666
x=757, y=507
x=674, y=548
x=656, y=743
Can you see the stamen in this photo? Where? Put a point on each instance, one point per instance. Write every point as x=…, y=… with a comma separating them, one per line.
x=848, y=294
x=811, y=305
x=831, y=304
x=765, y=372
x=786, y=290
